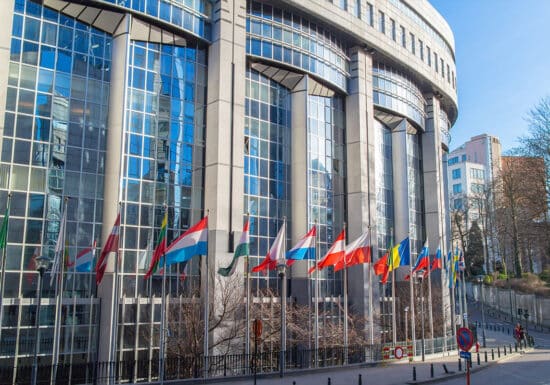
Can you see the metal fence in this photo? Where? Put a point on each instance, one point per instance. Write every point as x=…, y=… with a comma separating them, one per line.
x=227, y=365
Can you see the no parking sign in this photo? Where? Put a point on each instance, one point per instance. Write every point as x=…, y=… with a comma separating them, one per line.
x=464, y=339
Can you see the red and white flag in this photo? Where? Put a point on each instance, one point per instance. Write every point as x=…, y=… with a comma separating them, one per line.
x=111, y=246
x=334, y=254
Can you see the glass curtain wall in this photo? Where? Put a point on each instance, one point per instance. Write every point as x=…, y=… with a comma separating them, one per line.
x=416, y=195
x=53, y=147
x=385, y=214
x=163, y=170
x=266, y=168
x=326, y=179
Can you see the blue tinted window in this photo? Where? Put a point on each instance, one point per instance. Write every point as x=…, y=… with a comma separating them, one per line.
x=456, y=173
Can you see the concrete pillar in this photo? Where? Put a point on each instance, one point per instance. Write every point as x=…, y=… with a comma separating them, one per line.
x=113, y=169
x=224, y=164
x=435, y=191
x=361, y=191
x=299, y=186
x=400, y=182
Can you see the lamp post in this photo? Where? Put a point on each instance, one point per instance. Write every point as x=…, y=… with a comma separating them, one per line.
x=42, y=264
x=480, y=280
x=281, y=269
x=406, y=324
x=526, y=315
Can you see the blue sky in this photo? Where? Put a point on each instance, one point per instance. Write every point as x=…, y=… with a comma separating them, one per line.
x=503, y=64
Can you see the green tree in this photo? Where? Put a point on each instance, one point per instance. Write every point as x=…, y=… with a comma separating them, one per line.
x=473, y=256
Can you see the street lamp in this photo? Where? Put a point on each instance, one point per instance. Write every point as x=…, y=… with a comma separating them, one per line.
x=526, y=315
x=42, y=264
x=406, y=324
x=281, y=269
x=480, y=280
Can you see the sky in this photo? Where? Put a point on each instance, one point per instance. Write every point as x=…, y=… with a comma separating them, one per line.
x=502, y=53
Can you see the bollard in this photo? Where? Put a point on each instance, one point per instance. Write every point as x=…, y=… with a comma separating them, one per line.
x=485, y=356
x=478, y=359
x=516, y=347
x=498, y=351
x=510, y=348
x=504, y=349
x=293, y=382
x=460, y=365
x=328, y=383
x=414, y=373
x=492, y=354
x=431, y=370
x=360, y=380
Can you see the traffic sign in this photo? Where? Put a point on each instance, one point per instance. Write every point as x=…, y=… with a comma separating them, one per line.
x=466, y=355
x=465, y=339
x=398, y=352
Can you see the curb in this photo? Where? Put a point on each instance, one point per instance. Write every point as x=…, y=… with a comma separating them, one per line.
x=472, y=370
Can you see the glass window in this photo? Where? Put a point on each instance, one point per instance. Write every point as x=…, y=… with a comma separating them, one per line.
x=456, y=173
x=403, y=37
x=370, y=14
x=381, y=22
x=393, y=30
x=457, y=188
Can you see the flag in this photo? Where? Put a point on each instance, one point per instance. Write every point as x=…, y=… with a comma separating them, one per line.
x=66, y=257
x=381, y=267
x=160, y=249
x=423, y=260
x=242, y=249
x=436, y=263
x=334, y=254
x=193, y=242
x=461, y=263
x=59, y=247
x=4, y=229
x=110, y=246
x=31, y=266
x=357, y=252
x=400, y=255
x=84, y=259
x=275, y=253
x=305, y=248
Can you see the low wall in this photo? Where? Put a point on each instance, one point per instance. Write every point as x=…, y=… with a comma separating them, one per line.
x=507, y=301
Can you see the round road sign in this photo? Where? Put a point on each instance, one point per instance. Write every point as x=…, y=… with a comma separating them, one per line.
x=465, y=339
x=398, y=352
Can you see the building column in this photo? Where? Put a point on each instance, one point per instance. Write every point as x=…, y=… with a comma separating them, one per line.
x=400, y=185
x=361, y=176
x=224, y=163
x=299, y=186
x=435, y=198
x=113, y=172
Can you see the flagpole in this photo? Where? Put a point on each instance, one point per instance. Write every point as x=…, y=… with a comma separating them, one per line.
x=442, y=279
x=345, y=303
x=465, y=308
x=412, y=307
x=206, y=309
x=114, y=308
x=452, y=289
x=5, y=246
x=59, y=295
x=394, y=321
x=316, y=304
x=162, y=346
x=371, y=316
x=247, y=288
x=430, y=311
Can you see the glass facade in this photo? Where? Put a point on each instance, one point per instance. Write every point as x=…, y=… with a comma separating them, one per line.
x=384, y=186
x=326, y=179
x=53, y=146
x=281, y=36
x=163, y=169
x=416, y=194
x=396, y=92
x=266, y=166
x=193, y=16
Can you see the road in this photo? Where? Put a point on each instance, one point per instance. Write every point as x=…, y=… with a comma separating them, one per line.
x=532, y=368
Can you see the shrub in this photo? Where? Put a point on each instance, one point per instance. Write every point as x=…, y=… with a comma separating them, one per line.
x=488, y=279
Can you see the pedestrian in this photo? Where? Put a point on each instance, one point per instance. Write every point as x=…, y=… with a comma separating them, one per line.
x=518, y=334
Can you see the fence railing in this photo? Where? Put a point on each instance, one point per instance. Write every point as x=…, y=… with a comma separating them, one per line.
x=188, y=367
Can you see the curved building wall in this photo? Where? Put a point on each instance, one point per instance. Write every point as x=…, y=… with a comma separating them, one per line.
x=320, y=112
